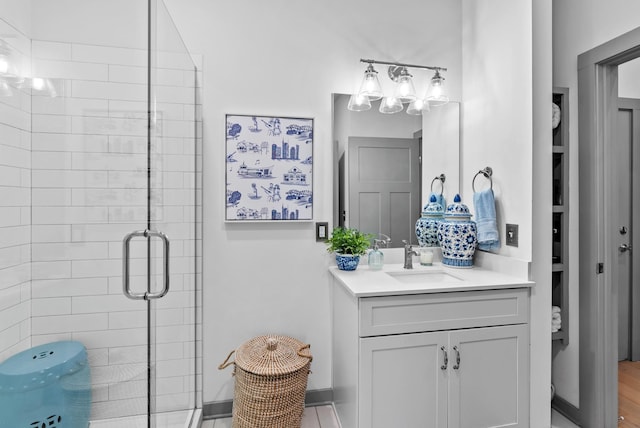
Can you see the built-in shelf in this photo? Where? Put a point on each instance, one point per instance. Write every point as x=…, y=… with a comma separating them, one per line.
x=560, y=213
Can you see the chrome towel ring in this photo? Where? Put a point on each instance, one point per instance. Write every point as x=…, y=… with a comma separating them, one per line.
x=487, y=172
x=442, y=179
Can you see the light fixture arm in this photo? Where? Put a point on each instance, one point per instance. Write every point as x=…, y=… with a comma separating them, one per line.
x=399, y=64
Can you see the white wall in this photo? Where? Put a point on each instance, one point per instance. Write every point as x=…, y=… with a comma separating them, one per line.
x=15, y=198
x=497, y=110
x=503, y=118
x=260, y=58
x=118, y=23
x=579, y=25
x=17, y=15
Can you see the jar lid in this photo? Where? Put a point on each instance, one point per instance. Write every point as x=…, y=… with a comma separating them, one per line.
x=272, y=355
x=457, y=208
x=433, y=208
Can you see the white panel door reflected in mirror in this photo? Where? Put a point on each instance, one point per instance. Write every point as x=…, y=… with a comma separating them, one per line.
x=380, y=185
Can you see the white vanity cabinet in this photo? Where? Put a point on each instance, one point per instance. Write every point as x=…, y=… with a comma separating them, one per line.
x=446, y=359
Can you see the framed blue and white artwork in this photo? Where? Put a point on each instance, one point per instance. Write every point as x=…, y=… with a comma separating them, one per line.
x=269, y=168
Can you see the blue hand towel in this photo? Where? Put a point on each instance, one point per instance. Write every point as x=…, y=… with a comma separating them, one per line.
x=439, y=199
x=485, y=208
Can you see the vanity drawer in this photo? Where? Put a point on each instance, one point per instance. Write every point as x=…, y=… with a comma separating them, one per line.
x=442, y=311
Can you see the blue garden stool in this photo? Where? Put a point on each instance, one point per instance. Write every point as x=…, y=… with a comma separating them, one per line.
x=47, y=386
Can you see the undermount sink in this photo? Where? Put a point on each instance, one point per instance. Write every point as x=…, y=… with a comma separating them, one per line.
x=423, y=277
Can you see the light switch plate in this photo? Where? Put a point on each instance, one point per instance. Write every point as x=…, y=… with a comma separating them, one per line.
x=512, y=235
x=322, y=231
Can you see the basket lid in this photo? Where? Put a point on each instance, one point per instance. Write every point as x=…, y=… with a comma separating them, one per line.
x=272, y=355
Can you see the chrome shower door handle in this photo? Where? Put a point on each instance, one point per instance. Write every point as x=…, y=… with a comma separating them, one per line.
x=126, y=284
x=165, y=263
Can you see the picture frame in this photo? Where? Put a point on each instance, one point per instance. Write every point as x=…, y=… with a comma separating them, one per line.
x=269, y=168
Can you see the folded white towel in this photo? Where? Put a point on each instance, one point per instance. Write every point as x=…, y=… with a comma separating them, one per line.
x=555, y=309
x=556, y=316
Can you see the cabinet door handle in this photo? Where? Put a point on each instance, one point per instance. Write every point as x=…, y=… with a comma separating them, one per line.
x=446, y=359
x=457, y=365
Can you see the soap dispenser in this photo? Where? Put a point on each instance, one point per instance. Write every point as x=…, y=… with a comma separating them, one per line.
x=376, y=257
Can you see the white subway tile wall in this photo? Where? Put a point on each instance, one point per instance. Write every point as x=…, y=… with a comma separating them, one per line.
x=15, y=208
x=89, y=188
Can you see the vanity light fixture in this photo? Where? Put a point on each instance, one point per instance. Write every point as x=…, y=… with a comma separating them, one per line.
x=436, y=94
x=404, y=93
x=11, y=76
x=370, y=86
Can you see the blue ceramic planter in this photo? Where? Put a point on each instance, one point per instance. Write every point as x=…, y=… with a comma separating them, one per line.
x=347, y=261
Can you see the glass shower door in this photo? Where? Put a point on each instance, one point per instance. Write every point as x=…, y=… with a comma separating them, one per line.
x=172, y=210
x=111, y=151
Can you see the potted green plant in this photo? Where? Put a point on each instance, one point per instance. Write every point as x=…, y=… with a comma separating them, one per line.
x=348, y=244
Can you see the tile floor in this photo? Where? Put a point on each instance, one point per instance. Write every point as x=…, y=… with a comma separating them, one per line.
x=313, y=417
x=324, y=417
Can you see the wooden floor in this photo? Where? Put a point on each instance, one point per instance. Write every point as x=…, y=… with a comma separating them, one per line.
x=629, y=394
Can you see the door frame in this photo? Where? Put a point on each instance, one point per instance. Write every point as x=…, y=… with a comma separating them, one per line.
x=597, y=109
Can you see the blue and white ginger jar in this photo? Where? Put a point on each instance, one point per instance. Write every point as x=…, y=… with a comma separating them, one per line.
x=458, y=235
x=427, y=224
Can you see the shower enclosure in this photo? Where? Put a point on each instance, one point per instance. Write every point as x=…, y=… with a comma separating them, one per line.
x=100, y=201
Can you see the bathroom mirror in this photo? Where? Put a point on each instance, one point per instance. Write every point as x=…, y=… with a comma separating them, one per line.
x=373, y=190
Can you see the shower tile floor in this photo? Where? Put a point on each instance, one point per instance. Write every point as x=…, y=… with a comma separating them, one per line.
x=313, y=417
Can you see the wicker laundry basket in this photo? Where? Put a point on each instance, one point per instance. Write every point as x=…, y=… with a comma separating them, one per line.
x=271, y=379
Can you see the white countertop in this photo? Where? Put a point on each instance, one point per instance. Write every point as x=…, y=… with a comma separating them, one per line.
x=365, y=282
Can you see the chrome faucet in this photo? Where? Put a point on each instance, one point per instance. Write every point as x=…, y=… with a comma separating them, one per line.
x=408, y=252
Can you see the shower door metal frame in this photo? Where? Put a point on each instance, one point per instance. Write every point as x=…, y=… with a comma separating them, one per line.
x=149, y=295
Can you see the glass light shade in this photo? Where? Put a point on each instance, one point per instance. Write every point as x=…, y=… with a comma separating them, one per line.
x=390, y=105
x=38, y=84
x=8, y=68
x=417, y=107
x=405, y=91
x=437, y=95
x=43, y=86
x=5, y=90
x=4, y=64
x=359, y=102
x=370, y=84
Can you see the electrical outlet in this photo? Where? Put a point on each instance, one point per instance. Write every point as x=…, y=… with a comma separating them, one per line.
x=322, y=231
x=512, y=235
